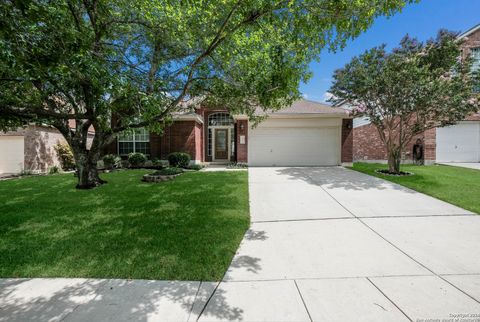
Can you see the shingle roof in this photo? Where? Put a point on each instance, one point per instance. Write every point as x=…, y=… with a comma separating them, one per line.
x=306, y=107
x=300, y=107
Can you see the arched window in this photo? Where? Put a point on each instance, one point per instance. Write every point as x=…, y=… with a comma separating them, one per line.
x=220, y=119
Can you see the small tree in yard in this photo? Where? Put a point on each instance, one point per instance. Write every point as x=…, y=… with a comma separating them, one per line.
x=416, y=87
x=115, y=65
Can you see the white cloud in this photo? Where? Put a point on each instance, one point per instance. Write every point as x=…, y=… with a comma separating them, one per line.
x=327, y=96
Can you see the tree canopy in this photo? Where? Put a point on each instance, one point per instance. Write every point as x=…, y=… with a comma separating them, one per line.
x=416, y=87
x=142, y=61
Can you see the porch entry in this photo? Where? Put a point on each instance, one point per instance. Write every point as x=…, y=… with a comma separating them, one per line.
x=221, y=137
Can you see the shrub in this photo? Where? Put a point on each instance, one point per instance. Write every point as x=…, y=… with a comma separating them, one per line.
x=65, y=156
x=179, y=159
x=169, y=171
x=26, y=172
x=100, y=165
x=156, y=162
x=124, y=164
x=237, y=165
x=111, y=161
x=137, y=159
x=53, y=170
x=195, y=167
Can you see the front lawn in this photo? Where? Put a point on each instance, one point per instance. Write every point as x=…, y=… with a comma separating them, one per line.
x=458, y=186
x=185, y=229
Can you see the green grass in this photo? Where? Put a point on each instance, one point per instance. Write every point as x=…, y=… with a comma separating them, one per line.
x=458, y=186
x=185, y=229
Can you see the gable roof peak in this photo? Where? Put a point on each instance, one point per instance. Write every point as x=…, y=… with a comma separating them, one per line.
x=469, y=31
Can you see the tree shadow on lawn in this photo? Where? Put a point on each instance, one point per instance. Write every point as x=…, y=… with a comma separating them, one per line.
x=336, y=177
x=186, y=229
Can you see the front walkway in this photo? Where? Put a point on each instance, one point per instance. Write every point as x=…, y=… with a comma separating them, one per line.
x=325, y=244
x=469, y=165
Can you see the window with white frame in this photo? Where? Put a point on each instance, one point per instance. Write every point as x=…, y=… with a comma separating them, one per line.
x=134, y=141
x=475, y=52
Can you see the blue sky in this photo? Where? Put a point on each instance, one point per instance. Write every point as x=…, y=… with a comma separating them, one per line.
x=421, y=20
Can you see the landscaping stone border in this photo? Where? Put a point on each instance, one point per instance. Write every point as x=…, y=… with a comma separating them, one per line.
x=156, y=178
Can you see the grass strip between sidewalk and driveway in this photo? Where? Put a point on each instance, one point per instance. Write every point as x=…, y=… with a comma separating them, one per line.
x=185, y=229
x=455, y=185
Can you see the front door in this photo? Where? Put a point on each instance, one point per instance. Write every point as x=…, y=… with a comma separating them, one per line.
x=221, y=144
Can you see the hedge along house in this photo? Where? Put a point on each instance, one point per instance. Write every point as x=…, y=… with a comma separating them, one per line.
x=304, y=134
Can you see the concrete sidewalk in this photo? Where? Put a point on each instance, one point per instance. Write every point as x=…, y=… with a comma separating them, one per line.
x=325, y=244
x=76, y=299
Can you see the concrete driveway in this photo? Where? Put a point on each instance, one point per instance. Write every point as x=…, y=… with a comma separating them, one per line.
x=325, y=244
x=331, y=244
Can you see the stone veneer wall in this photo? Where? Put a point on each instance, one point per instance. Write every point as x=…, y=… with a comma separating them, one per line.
x=40, y=151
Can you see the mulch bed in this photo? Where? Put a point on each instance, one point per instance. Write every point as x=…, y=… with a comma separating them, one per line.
x=399, y=174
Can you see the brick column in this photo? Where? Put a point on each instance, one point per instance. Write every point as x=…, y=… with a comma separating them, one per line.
x=347, y=141
x=430, y=146
x=242, y=149
x=155, y=145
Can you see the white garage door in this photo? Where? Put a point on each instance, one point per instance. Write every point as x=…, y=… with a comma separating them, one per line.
x=459, y=143
x=11, y=154
x=277, y=143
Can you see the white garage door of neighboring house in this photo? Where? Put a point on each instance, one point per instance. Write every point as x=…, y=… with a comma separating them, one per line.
x=280, y=142
x=11, y=154
x=459, y=143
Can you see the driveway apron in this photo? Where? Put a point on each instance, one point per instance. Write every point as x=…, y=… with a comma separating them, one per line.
x=332, y=244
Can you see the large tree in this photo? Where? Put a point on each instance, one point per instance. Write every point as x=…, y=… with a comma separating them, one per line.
x=416, y=87
x=139, y=61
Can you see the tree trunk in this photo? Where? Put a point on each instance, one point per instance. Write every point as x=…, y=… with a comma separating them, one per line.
x=394, y=158
x=87, y=172
x=85, y=158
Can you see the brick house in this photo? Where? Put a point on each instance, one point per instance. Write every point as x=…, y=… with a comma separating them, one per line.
x=457, y=143
x=306, y=133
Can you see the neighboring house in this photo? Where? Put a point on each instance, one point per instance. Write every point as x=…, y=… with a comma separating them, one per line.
x=306, y=133
x=29, y=148
x=456, y=143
